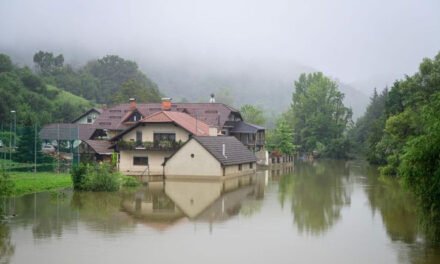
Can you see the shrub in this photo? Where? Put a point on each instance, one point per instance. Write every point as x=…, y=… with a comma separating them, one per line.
x=128, y=181
x=96, y=178
x=6, y=184
x=78, y=176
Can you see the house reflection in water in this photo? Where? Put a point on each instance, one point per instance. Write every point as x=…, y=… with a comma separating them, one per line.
x=163, y=204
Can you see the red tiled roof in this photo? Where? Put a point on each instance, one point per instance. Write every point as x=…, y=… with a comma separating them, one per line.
x=213, y=114
x=187, y=122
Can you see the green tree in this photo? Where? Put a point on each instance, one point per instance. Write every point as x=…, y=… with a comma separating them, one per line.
x=29, y=145
x=281, y=139
x=47, y=63
x=368, y=130
x=253, y=114
x=5, y=63
x=319, y=116
x=135, y=89
x=113, y=71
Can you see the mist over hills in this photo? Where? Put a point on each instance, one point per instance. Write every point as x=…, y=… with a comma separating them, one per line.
x=267, y=83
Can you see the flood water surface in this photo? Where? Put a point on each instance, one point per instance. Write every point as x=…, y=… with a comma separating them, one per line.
x=321, y=212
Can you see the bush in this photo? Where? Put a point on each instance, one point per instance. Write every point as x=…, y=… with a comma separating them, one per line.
x=6, y=184
x=128, y=181
x=96, y=178
x=78, y=176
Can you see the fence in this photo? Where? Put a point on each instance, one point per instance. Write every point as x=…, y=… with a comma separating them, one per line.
x=32, y=148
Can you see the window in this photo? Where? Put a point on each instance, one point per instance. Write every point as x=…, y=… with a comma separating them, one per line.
x=239, y=167
x=164, y=137
x=139, y=137
x=89, y=119
x=192, y=155
x=251, y=165
x=140, y=161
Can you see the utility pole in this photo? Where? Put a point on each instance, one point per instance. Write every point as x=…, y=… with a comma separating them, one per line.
x=10, y=143
x=15, y=128
x=35, y=148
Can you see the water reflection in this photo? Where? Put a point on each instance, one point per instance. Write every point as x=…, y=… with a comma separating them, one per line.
x=7, y=249
x=317, y=193
x=47, y=213
x=399, y=213
x=371, y=217
x=396, y=206
x=206, y=201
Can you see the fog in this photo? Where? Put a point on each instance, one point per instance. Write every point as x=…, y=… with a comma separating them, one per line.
x=365, y=44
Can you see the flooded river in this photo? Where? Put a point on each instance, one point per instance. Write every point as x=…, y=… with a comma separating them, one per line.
x=321, y=212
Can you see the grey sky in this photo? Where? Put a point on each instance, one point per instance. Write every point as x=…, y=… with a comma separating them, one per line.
x=348, y=39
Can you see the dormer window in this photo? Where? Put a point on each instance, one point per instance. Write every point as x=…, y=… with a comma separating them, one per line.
x=89, y=119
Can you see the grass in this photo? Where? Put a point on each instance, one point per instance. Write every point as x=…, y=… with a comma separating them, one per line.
x=29, y=182
x=64, y=96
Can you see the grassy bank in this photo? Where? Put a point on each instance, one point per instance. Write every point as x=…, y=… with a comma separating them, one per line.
x=28, y=182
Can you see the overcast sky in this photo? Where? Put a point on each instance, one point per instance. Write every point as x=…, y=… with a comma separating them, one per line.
x=353, y=40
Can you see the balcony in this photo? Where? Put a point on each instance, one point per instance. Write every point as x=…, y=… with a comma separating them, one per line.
x=164, y=145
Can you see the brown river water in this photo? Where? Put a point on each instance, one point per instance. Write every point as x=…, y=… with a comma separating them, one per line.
x=321, y=212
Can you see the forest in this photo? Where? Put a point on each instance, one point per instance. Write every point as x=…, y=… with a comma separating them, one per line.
x=53, y=91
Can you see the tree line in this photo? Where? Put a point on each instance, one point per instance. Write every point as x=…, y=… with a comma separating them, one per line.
x=108, y=80
x=400, y=132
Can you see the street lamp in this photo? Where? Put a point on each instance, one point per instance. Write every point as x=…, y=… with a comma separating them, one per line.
x=10, y=134
x=15, y=127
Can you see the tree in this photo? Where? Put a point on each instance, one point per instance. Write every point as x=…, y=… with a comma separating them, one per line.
x=29, y=145
x=5, y=63
x=281, y=139
x=319, y=116
x=135, y=89
x=113, y=71
x=46, y=63
x=253, y=114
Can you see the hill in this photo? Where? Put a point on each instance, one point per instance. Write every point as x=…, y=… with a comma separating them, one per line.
x=266, y=83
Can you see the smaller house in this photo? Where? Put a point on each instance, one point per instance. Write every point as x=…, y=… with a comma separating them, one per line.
x=252, y=136
x=88, y=117
x=212, y=157
x=95, y=150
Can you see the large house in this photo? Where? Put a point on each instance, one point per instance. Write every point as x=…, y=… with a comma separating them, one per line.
x=144, y=146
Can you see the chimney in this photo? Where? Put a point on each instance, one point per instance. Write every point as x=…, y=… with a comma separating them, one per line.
x=224, y=150
x=166, y=104
x=212, y=99
x=132, y=103
x=213, y=131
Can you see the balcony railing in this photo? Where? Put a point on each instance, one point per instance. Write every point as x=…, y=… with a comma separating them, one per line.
x=164, y=145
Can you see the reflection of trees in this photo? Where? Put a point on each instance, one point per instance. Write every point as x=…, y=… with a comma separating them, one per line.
x=317, y=194
x=396, y=206
x=101, y=211
x=6, y=247
x=401, y=217
x=47, y=212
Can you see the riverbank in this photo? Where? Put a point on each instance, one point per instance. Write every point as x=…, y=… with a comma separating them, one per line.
x=29, y=182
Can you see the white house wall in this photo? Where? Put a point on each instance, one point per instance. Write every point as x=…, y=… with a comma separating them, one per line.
x=148, y=131
x=155, y=160
x=202, y=164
